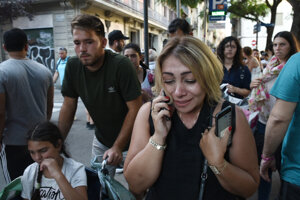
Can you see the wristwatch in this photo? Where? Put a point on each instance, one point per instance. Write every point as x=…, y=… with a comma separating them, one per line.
x=217, y=171
x=157, y=146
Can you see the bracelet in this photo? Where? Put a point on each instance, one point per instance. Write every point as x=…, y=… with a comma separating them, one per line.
x=157, y=146
x=267, y=158
x=217, y=171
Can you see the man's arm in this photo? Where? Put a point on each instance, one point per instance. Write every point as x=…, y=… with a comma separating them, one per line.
x=66, y=115
x=50, y=96
x=277, y=126
x=55, y=76
x=2, y=116
x=115, y=152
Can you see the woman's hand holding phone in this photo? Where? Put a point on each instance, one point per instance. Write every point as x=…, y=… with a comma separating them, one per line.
x=161, y=115
x=214, y=147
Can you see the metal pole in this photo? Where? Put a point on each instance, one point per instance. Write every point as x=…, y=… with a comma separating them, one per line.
x=146, y=55
x=1, y=43
x=256, y=40
x=257, y=34
x=205, y=21
x=178, y=6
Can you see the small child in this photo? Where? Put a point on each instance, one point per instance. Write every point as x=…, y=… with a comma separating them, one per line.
x=53, y=175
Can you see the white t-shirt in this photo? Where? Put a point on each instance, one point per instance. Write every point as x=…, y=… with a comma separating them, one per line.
x=73, y=171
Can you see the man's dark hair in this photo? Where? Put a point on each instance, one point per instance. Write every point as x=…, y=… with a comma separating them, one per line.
x=181, y=24
x=88, y=22
x=63, y=49
x=238, y=58
x=15, y=40
x=110, y=42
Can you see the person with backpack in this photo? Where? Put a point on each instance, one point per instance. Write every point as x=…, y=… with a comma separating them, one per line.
x=172, y=138
x=61, y=65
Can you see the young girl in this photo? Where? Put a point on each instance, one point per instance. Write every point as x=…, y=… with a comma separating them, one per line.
x=53, y=175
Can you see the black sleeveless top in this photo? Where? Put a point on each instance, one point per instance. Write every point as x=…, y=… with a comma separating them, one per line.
x=183, y=163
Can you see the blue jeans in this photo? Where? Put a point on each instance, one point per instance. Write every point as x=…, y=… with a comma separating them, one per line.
x=264, y=188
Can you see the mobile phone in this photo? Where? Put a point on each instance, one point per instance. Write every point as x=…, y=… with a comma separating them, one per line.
x=169, y=102
x=223, y=121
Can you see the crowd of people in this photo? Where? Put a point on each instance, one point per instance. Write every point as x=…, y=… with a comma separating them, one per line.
x=157, y=121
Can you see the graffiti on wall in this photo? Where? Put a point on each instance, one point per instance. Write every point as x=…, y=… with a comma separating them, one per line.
x=43, y=55
x=41, y=46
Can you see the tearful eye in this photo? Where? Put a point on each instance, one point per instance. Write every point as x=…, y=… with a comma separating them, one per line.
x=168, y=81
x=190, y=81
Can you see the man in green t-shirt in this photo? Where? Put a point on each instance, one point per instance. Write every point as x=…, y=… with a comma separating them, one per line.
x=108, y=86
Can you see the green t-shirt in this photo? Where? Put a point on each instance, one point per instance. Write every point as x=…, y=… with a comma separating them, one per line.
x=103, y=92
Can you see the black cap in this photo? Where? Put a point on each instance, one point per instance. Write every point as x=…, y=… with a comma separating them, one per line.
x=117, y=35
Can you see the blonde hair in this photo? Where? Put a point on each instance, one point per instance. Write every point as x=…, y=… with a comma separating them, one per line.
x=194, y=54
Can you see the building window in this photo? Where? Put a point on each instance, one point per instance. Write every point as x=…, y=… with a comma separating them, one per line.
x=135, y=36
x=279, y=19
x=165, y=11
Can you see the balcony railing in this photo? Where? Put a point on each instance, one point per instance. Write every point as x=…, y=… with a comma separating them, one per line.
x=137, y=7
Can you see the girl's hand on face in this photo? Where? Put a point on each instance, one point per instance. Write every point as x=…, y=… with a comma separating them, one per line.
x=161, y=114
x=214, y=147
x=50, y=167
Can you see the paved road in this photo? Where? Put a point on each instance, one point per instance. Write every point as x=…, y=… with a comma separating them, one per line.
x=79, y=142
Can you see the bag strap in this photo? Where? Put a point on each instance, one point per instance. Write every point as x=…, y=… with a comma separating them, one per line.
x=205, y=165
x=232, y=117
x=58, y=63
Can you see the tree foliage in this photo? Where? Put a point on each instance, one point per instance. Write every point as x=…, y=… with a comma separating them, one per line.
x=11, y=9
x=248, y=9
x=189, y=3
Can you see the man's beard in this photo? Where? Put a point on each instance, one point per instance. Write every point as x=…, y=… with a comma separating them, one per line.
x=92, y=62
x=119, y=47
